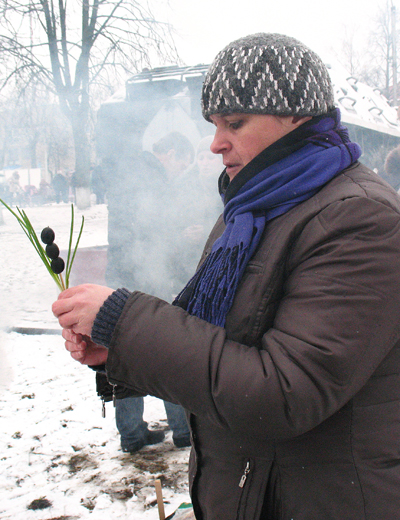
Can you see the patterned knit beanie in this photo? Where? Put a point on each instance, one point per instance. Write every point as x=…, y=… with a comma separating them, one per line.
x=267, y=74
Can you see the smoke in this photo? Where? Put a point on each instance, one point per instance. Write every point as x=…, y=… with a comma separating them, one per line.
x=162, y=207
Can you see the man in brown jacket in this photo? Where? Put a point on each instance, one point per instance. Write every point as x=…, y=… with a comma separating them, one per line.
x=284, y=348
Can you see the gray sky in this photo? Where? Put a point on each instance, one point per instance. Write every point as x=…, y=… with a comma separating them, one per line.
x=204, y=27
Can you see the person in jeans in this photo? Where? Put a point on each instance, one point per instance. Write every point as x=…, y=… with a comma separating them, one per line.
x=135, y=257
x=133, y=429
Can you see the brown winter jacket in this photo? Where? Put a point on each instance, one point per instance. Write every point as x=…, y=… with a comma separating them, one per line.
x=294, y=406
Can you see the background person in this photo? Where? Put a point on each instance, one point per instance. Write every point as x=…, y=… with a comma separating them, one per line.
x=15, y=191
x=175, y=152
x=285, y=346
x=60, y=186
x=392, y=165
x=4, y=189
x=150, y=220
x=98, y=183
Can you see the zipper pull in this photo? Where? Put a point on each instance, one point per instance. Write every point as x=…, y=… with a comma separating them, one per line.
x=114, y=397
x=103, y=408
x=244, y=476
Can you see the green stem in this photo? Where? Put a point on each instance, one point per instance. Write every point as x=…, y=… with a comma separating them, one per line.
x=75, y=249
x=27, y=228
x=71, y=231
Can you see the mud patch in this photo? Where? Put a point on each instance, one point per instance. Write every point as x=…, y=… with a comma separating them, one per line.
x=39, y=503
x=80, y=462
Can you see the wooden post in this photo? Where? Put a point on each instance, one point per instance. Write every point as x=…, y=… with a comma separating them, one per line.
x=160, y=502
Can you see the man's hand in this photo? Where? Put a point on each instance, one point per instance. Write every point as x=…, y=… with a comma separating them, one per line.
x=83, y=349
x=77, y=307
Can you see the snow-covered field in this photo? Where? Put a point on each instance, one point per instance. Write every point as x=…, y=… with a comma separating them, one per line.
x=59, y=458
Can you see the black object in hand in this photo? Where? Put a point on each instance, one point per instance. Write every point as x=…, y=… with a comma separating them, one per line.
x=52, y=251
x=47, y=236
x=57, y=265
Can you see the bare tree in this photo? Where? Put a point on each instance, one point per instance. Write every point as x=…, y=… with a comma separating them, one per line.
x=381, y=50
x=373, y=62
x=349, y=54
x=72, y=47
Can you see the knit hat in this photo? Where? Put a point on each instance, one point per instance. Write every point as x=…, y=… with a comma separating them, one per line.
x=267, y=74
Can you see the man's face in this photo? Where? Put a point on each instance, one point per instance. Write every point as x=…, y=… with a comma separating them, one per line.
x=181, y=163
x=173, y=164
x=241, y=137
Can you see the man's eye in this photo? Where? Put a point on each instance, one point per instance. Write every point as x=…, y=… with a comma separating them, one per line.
x=235, y=125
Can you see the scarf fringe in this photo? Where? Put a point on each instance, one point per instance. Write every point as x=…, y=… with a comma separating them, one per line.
x=211, y=290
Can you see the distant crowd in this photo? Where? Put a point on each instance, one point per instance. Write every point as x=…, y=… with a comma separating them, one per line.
x=60, y=189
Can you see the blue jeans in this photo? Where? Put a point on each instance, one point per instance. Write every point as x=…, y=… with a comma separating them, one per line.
x=132, y=427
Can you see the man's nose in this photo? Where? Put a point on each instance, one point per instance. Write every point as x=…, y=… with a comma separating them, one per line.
x=220, y=143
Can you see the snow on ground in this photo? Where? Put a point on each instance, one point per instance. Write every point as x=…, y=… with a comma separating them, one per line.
x=56, y=448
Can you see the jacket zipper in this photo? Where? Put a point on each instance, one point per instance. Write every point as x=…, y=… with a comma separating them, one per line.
x=244, y=476
x=103, y=403
x=114, y=397
x=242, y=504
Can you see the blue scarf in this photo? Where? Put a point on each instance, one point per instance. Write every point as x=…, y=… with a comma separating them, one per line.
x=285, y=174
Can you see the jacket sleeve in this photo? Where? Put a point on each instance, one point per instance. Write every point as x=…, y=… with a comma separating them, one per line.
x=337, y=320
